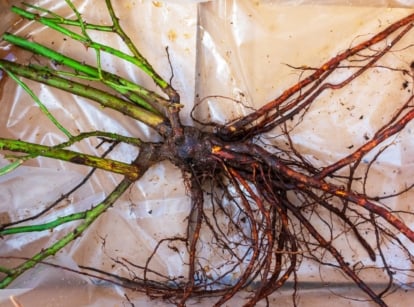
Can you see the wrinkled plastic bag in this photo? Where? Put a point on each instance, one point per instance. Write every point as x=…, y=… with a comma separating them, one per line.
x=228, y=48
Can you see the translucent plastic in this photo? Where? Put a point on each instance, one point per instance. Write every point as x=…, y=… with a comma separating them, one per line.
x=236, y=49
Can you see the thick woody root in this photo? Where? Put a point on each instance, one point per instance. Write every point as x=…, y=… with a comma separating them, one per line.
x=266, y=208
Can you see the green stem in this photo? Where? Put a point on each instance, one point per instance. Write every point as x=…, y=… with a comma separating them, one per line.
x=90, y=216
x=104, y=134
x=138, y=94
x=172, y=94
x=105, y=99
x=45, y=226
x=131, y=171
x=19, y=160
x=70, y=22
x=140, y=62
x=38, y=102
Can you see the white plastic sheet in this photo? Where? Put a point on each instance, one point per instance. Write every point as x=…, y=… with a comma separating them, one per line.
x=235, y=49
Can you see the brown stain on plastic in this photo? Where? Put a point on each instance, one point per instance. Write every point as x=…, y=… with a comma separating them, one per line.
x=172, y=35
